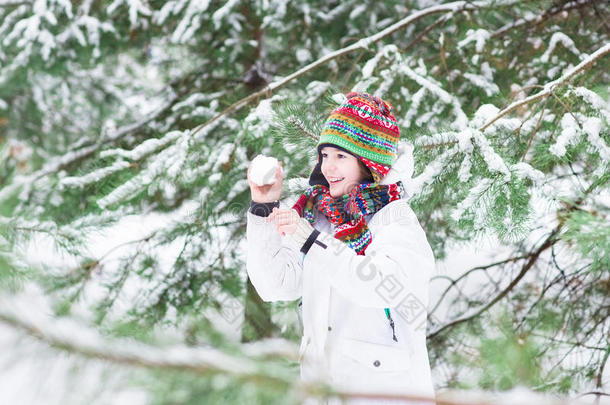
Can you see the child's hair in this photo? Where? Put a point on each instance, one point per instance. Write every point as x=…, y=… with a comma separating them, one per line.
x=367, y=177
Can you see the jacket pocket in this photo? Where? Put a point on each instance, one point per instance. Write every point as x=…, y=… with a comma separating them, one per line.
x=374, y=357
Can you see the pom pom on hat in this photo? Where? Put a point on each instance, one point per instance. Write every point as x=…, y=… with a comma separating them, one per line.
x=384, y=107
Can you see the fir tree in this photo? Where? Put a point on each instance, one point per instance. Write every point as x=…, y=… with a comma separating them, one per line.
x=142, y=117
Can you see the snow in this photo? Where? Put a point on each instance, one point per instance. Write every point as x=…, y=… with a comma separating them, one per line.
x=478, y=36
x=190, y=22
x=524, y=170
x=436, y=139
x=94, y=176
x=145, y=148
x=495, y=163
x=473, y=196
x=432, y=171
x=484, y=113
x=465, y=140
x=484, y=83
x=259, y=119
x=339, y=98
x=592, y=127
x=412, y=112
x=386, y=52
x=263, y=170
x=464, y=173
x=222, y=12
x=569, y=135
x=315, y=90
x=590, y=97
x=429, y=84
x=557, y=38
x=303, y=55
x=135, y=8
x=357, y=10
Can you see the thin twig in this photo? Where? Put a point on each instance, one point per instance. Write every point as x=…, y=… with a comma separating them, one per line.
x=550, y=240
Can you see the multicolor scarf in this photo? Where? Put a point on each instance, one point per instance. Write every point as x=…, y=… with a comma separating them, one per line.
x=348, y=212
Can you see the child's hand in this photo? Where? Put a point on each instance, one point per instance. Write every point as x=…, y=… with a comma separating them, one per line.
x=268, y=192
x=285, y=220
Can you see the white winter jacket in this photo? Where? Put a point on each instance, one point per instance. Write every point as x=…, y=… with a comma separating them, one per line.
x=347, y=338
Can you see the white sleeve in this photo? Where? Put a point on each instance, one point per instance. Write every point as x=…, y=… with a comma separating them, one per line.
x=274, y=266
x=396, y=268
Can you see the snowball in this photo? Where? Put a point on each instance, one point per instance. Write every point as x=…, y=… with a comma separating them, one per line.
x=263, y=170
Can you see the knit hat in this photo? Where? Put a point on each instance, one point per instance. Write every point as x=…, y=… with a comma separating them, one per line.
x=364, y=126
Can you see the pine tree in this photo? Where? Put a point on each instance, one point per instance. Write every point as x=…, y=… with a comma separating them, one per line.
x=143, y=117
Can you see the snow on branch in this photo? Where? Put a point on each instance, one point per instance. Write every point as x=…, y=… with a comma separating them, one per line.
x=95, y=176
x=69, y=335
x=566, y=41
x=537, y=19
x=363, y=43
x=168, y=160
x=571, y=129
x=144, y=149
x=461, y=119
x=432, y=170
x=550, y=87
x=57, y=164
x=442, y=138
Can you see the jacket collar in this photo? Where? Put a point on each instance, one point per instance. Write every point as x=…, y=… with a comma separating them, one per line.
x=402, y=169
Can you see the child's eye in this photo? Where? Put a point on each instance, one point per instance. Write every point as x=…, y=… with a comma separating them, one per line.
x=341, y=155
x=323, y=155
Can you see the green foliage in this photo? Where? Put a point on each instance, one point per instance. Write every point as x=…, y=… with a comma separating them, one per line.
x=588, y=233
x=508, y=359
x=183, y=388
x=141, y=73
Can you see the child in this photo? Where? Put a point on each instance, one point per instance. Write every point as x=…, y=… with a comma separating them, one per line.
x=353, y=250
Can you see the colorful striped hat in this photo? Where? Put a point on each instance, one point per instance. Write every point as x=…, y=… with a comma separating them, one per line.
x=364, y=126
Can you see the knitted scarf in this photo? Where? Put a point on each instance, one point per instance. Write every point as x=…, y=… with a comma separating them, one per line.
x=348, y=211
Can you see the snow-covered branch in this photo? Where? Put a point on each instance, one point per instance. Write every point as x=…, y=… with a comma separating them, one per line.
x=551, y=86
x=75, y=338
x=537, y=19
x=363, y=43
x=84, y=152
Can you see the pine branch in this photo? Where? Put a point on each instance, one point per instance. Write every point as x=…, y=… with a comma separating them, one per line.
x=85, y=151
x=539, y=19
x=74, y=338
x=551, y=86
x=15, y=3
x=87, y=343
x=363, y=43
x=301, y=126
x=533, y=257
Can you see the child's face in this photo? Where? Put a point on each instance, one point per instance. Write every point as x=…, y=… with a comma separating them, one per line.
x=337, y=164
